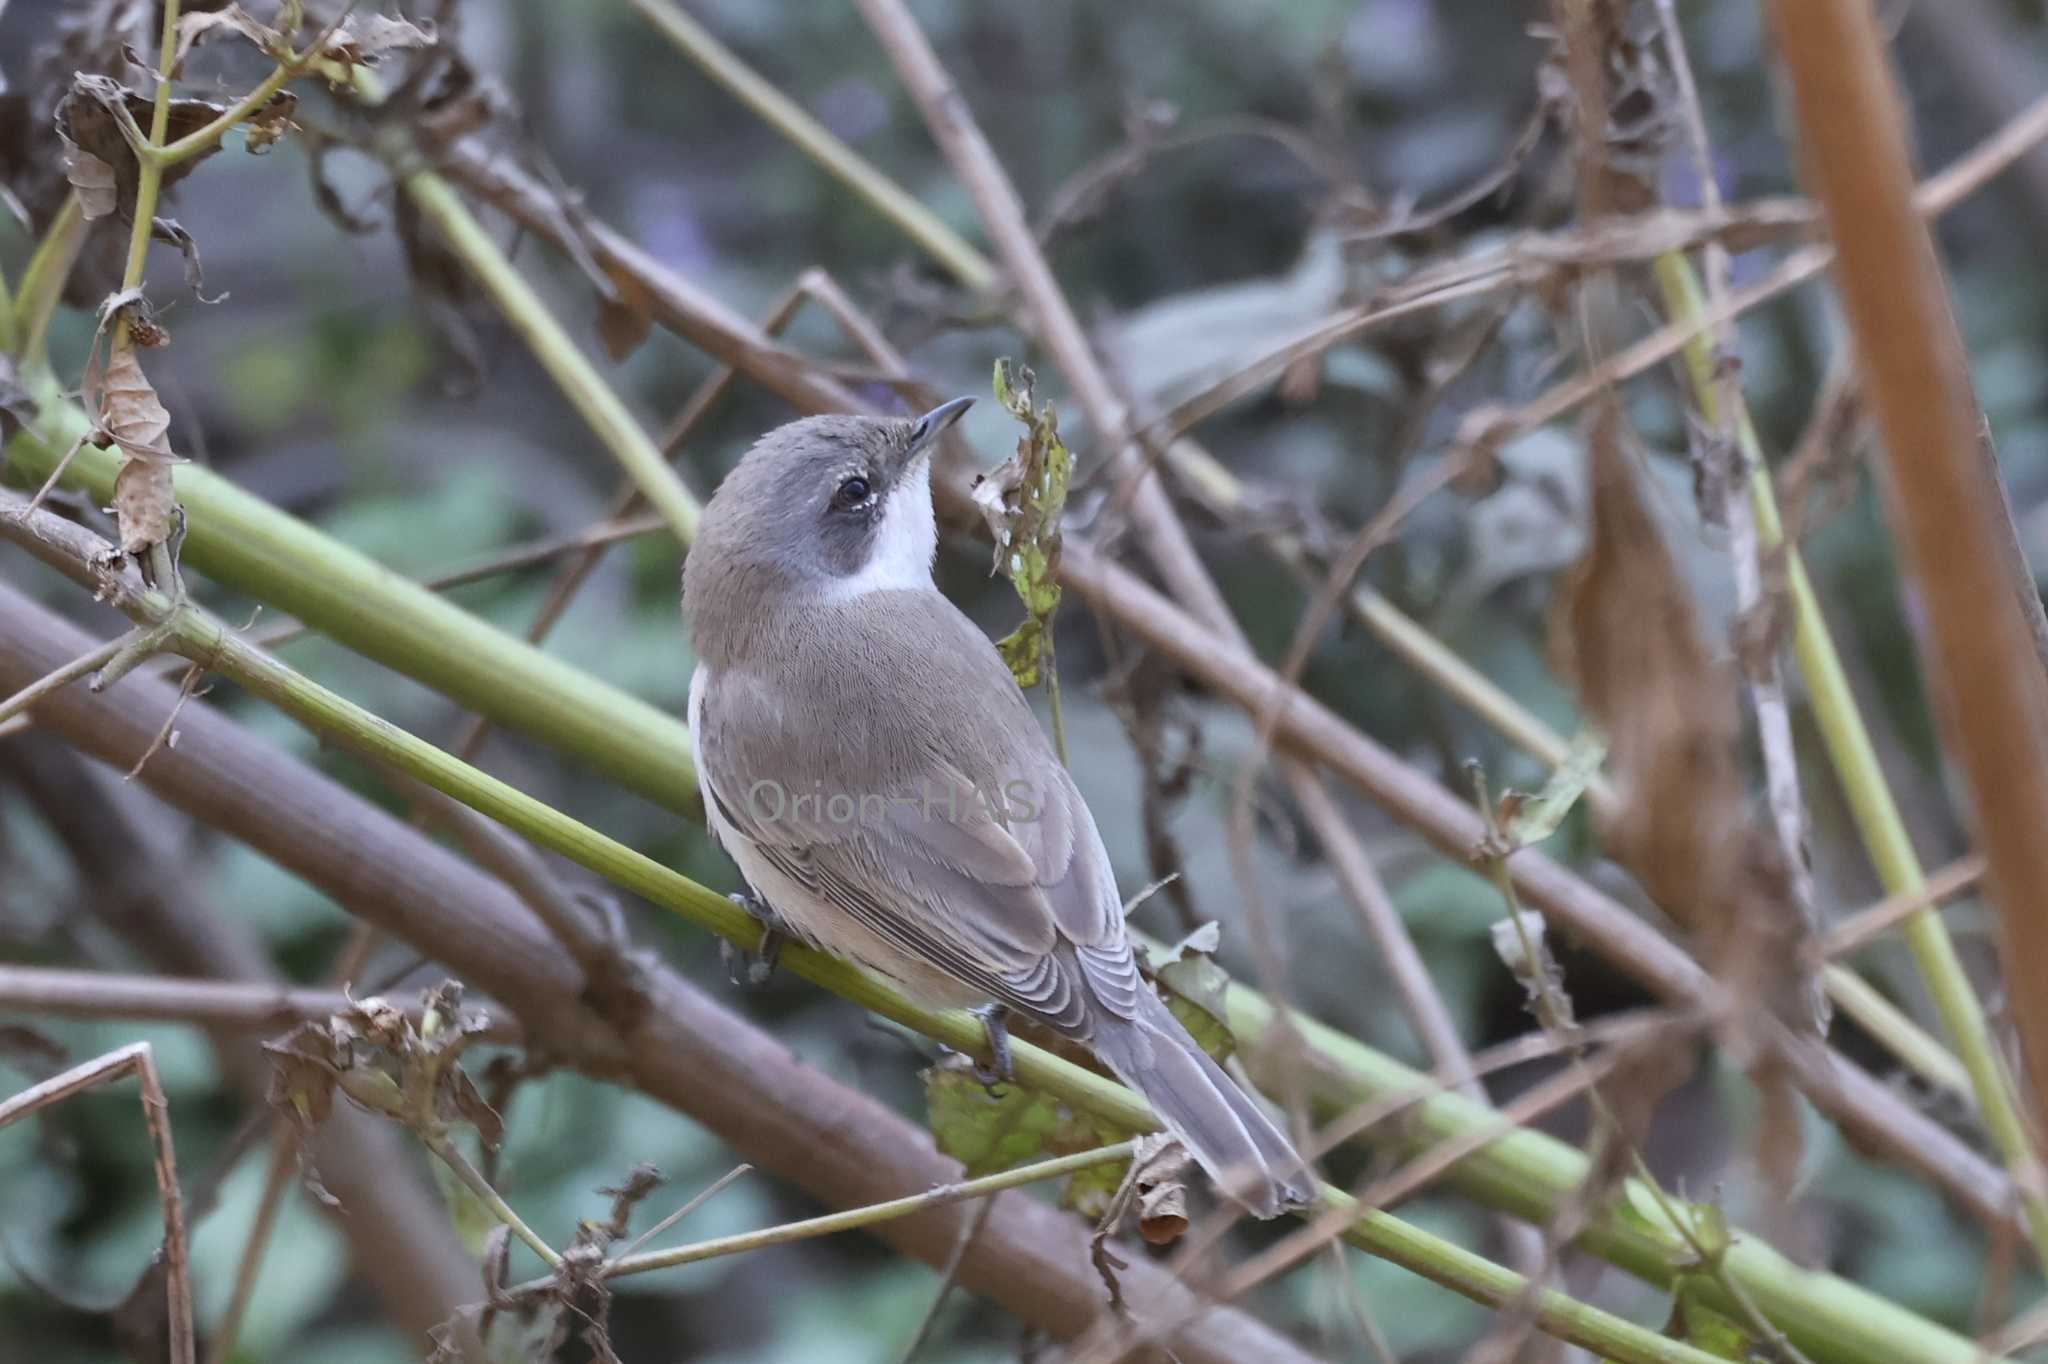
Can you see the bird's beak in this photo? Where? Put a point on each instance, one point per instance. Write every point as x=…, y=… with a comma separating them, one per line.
x=933, y=424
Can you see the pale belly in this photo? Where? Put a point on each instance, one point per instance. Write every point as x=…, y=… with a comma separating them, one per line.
x=816, y=921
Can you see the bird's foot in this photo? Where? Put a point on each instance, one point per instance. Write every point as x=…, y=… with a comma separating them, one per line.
x=753, y=969
x=995, y=1022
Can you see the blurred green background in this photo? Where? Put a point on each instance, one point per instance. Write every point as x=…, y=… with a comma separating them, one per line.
x=424, y=434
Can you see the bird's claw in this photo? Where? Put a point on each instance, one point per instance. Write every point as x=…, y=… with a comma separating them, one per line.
x=998, y=1070
x=753, y=969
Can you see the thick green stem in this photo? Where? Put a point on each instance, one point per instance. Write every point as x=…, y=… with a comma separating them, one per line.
x=42, y=284
x=241, y=540
x=1876, y=814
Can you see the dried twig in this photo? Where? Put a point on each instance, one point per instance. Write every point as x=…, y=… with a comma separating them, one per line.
x=1867, y=925
x=138, y=1059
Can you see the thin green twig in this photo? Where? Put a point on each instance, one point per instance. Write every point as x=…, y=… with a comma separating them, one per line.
x=473, y=1180
x=789, y=118
x=854, y=1218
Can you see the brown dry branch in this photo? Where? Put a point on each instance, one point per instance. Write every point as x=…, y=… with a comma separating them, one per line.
x=743, y=1084
x=1983, y=641
x=399, y=1238
x=245, y=1005
x=1866, y=926
x=137, y=1059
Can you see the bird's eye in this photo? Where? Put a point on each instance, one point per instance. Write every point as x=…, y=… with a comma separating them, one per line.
x=852, y=493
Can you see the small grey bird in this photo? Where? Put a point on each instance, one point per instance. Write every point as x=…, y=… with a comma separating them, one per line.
x=868, y=761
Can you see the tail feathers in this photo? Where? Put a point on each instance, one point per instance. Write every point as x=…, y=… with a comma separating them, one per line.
x=1222, y=1127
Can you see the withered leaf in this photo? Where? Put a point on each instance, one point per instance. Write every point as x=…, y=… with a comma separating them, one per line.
x=127, y=408
x=271, y=123
x=1159, y=1176
x=624, y=316
x=145, y=504
x=194, y=29
x=92, y=180
x=1022, y=500
x=375, y=34
x=1626, y=633
x=92, y=118
x=1196, y=989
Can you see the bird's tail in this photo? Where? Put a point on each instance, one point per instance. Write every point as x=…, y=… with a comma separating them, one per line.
x=1222, y=1127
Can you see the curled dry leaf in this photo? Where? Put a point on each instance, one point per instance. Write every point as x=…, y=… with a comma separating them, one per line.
x=358, y=39
x=145, y=504
x=362, y=38
x=128, y=414
x=624, y=315
x=1159, y=1180
x=1627, y=634
x=97, y=118
x=230, y=20
x=1520, y=944
x=92, y=180
x=376, y=1056
x=270, y=124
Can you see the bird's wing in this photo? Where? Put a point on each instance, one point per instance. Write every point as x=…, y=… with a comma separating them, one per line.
x=982, y=861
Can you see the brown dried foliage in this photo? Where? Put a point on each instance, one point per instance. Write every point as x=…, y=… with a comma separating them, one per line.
x=1627, y=635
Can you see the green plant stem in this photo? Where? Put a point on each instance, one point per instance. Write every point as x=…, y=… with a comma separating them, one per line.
x=198, y=140
x=1854, y=758
x=473, y=1180
x=789, y=118
x=1523, y=1172
x=149, y=168
x=351, y=598
x=10, y=327
x=565, y=363
x=42, y=284
x=854, y=1218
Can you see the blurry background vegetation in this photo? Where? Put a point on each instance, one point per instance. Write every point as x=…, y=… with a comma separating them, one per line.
x=427, y=437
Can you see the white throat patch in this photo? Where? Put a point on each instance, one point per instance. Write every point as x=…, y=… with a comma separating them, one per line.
x=909, y=537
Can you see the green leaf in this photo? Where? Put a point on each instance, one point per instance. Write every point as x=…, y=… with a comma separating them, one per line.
x=1537, y=818
x=1195, y=986
x=985, y=1131
x=1704, y=1327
